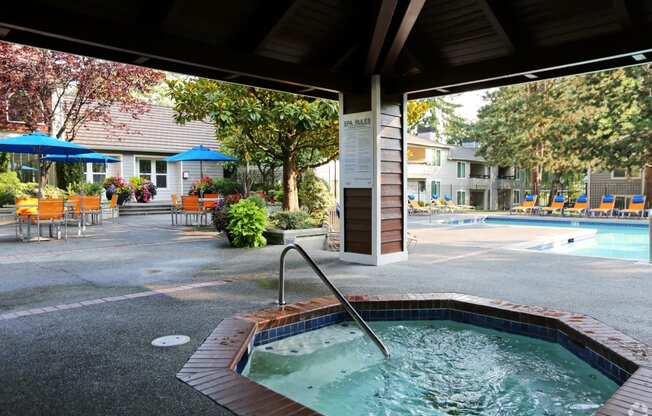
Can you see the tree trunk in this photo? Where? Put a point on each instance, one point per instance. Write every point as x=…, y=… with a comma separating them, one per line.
x=290, y=191
x=536, y=181
x=555, y=187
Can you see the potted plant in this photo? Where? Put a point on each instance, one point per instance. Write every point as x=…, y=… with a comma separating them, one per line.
x=118, y=186
x=203, y=186
x=144, y=190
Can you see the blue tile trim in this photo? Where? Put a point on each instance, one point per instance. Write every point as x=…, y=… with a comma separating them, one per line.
x=597, y=361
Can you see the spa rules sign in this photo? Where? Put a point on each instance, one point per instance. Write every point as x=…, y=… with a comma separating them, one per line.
x=356, y=150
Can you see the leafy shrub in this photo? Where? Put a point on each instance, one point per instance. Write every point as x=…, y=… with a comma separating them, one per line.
x=260, y=202
x=315, y=197
x=53, y=192
x=11, y=188
x=69, y=173
x=227, y=186
x=247, y=221
x=291, y=220
x=89, y=189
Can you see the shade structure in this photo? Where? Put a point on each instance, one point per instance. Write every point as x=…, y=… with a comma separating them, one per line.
x=81, y=158
x=39, y=143
x=200, y=154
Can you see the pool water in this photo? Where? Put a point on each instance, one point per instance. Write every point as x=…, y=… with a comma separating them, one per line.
x=436, y=368
x=612, y=240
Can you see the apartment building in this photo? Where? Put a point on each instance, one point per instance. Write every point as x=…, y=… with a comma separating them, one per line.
x=437, y=169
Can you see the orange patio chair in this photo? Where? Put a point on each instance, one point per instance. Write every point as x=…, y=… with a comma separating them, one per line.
x=25, y=209
x=191, y=207
x=636, y=206
x=175, y=209
x=580, y=207
x=556, y=207
x=113, y=206
x=92, y=208
x=52, y=213
x=606, y=208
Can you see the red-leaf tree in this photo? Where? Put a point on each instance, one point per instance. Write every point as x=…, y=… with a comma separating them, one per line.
x=60, y=92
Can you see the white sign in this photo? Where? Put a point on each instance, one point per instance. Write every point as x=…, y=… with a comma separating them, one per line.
x=356, y=150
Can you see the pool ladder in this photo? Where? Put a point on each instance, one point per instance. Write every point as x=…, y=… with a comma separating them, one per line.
x=340, y=297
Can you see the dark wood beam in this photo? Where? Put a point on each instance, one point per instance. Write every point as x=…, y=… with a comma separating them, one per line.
x=562, y=59
x=383, y=21
x=496, y=24
x=624, y=16
x=280, y=22
x=405, y=27
x=70, y=33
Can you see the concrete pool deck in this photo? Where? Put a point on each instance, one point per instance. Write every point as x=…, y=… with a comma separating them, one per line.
x=98, y=358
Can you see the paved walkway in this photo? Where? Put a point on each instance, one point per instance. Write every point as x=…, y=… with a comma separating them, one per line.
x=152, y=280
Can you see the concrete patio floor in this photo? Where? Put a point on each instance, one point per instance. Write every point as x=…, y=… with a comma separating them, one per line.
x=96, y=358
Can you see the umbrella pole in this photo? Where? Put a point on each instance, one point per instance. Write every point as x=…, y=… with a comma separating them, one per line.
x=40, y=190
x=201, y=169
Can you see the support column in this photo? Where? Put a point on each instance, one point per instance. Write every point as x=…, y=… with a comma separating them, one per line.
x=374, y=216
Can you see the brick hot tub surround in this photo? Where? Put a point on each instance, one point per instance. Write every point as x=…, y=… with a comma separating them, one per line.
x=214, y=369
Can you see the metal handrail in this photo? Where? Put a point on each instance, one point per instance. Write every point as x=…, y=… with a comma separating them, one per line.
x=340, y=297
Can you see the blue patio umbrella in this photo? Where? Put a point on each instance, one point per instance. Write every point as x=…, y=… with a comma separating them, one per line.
x=200, y=154
x=39, y=143
x=82, y=158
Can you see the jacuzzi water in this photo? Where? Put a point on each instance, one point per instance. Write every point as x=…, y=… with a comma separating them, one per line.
x=436, y=368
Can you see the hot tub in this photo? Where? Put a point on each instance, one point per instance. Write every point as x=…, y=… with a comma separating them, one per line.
x=451, y=354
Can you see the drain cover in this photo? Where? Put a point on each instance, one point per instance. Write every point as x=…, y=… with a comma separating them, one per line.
x=171, y=341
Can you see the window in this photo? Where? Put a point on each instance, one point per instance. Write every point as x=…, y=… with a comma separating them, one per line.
x=437, y=158
x=626, y=173
x=517, y=174
x=95, y=172
x=161, y=174
x=435, y=189
x=145, y=169
x=461, y=170
x=516, y=197
x=155, y=171
x=461, y=198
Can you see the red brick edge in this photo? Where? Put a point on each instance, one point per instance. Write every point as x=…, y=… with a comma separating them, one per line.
x=212, y=368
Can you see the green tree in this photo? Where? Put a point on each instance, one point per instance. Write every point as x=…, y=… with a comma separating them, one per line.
x=439, y=115
x=613, y=110
x=301, y=133
x=530, y=126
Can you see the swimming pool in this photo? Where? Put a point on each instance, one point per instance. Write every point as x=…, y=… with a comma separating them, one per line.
x=622, y=241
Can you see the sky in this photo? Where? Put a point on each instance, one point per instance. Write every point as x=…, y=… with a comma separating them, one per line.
x=470, y=101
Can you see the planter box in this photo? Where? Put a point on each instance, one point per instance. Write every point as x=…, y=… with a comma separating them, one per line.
x=309, y=238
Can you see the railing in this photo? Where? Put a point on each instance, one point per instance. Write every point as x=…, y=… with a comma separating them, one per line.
x=345, y=303
x=480, y=176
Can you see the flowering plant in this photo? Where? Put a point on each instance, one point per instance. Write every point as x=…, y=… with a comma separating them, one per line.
x=204, y=185
x=144, y=190
x=116, y=185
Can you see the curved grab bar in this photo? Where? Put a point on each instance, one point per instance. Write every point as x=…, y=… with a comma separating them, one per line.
x=340, y=297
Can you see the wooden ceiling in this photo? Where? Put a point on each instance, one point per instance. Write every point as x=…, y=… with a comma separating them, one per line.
x=320, y=47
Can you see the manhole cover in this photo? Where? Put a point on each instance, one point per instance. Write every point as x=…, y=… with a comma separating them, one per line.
x=171, y=341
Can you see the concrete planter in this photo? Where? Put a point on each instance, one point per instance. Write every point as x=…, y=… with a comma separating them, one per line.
x=309, y=238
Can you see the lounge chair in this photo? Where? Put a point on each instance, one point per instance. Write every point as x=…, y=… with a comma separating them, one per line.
x=607, y=207
x=450, y=203
x=636, y=206
x=580, y=207
x=439, y=205
x=556, y=207
x=527, y=207
x=414, y=208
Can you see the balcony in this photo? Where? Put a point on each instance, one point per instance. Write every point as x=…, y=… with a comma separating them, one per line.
x=420, y=170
